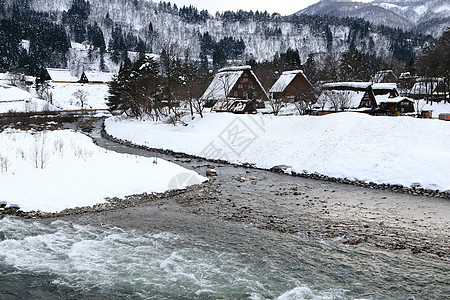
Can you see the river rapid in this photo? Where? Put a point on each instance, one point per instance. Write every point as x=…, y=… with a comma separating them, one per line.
x=190, y=258
x=164, y=251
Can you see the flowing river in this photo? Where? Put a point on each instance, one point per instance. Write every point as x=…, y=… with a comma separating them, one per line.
x=184, y=256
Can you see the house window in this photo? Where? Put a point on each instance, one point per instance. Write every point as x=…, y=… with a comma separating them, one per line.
x=245, y=94
x=245, y=79
x=240, y=86
x=250, y=85
x=235, y=93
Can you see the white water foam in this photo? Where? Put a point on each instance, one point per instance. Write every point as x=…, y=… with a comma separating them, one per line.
x=130, y=264
x=303, y=292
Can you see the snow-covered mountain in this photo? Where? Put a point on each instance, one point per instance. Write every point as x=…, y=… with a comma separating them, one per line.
x=256, y=35
x=426, y=16
x=135, y=16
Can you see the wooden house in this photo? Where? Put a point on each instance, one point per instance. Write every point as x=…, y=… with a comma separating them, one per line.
x=347, y=96
x=385, y=76
x=428, y=88
x=389, y=100
x=238, y=83
x=292, y=86
x=444, y=116
x=397, y=106
x=375, y=99
x=95, y=77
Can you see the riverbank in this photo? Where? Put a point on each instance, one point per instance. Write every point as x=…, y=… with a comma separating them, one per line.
x=394, y=153
x=347, y=215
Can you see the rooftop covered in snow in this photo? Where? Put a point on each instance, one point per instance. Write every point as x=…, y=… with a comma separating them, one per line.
x=235, y=68
x=359, y=86
x=96, y=76
x=61, y=75
x=284, y=80
x=225, y=80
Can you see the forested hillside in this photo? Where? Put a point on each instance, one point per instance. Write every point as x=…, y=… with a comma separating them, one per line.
x=100, y=34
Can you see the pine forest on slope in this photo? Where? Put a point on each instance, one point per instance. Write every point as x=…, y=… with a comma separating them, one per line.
x=100, y=34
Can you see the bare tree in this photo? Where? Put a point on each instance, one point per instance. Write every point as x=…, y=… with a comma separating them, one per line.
x=15, y=78
x=419, y=105
x=194, y=80
x=303, y=106
x=81, y=96
x=276, y=104
x=4, y=163
x=339, y=101
x=171, y=69
x=44, y=93
x=39, y=153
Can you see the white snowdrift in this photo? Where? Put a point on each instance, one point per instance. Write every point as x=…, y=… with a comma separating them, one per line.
x=76, y=172
x=13, y=99
x=396, y=150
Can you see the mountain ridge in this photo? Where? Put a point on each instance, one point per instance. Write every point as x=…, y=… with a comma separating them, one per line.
x=427, y=17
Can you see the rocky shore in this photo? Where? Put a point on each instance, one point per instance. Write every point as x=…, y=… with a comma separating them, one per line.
x=348, y=213
x=415, y=189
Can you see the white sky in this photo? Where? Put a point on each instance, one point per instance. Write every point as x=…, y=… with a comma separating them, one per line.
x=284, y=7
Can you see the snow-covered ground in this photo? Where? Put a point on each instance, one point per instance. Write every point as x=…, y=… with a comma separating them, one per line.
x=54, y=170
x=14, y=99
x=64, y=98
x=396, y=150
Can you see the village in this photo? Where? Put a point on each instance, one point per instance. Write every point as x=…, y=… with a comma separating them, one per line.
x=238, y=90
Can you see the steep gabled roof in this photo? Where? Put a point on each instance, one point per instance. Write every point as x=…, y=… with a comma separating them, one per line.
x=382, y=76
x=354, y=97
x=61, y=75
x=425, y=87
x=285, y=79
x=225, y=80
x=385, y=88
x=95, y=76
x=222, y=85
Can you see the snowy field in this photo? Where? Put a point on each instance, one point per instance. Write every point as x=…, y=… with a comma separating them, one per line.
x=54, y=170
x=13, y=99
x=395, y=150
x=63, y=95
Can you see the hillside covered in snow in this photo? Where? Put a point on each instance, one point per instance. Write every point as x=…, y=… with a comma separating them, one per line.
x=425, y=16
x=99, y=33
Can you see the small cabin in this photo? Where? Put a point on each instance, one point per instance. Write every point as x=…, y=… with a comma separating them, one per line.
x=237, y=83
x=444, y=116
x=292, y=86
x=397, y=106
x=94, y=77
x=426, y=114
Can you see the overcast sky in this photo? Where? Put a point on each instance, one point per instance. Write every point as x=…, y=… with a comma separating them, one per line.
x=284, y=7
